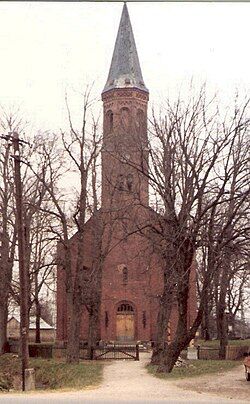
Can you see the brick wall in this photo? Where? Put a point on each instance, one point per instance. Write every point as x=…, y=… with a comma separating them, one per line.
x=124, y=139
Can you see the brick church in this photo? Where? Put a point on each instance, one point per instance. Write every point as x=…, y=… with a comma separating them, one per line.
x=132, y=273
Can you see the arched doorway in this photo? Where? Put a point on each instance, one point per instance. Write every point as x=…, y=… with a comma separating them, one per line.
x=125, y=322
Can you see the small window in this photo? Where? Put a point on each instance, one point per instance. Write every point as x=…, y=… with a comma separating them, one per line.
x=125, y=275
x=144, y=319
x=130, y=182
x=110, y=121
x=120, y=182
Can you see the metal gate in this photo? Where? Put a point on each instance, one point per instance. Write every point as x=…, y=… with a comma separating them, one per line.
x=117, y=351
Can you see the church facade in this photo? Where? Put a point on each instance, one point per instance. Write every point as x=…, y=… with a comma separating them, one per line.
x=132, y=275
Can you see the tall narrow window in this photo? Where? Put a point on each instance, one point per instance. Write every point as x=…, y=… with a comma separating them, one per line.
x=110, y=121
x=120, y=182
x=130, y=182
x=144, y=319
x=125, y=275
x=125, y=118
x=106, y=319
x=140, y=121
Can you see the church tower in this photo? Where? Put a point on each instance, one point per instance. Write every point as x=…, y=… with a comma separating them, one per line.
x=125, y=99
x=132, y=270
x=126, y=306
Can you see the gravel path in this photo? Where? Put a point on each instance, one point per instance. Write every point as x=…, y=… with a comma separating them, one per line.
x=231, y=384
x=129, y=380
x=124, y=380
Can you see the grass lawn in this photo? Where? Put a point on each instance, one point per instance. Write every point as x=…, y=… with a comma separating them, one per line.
x=195, y=368
x=215, y=343
x=51, y=373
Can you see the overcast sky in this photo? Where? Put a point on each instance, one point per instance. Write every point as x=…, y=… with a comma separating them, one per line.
x=47, y=48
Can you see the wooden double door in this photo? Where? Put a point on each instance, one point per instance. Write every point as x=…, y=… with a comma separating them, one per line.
x=125, y=323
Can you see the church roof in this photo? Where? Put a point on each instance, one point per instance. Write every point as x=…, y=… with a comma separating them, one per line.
x=125, y=70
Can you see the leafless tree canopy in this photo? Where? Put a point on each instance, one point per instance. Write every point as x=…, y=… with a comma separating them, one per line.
x=199, y=177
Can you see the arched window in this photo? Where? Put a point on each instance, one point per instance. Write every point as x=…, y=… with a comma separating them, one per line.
x=125, y=118
x=125, y=275
x=130, y=182
x=109, y=121
x=125, y=307
x=140, y=121
x=120, y=182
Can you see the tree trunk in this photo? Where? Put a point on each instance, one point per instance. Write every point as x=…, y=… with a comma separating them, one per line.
x=171, y=354
x=183, y=336
x=218, y=320
x=3, y=327
x=162, y=325
x=222, y=324
x=94, y=307
x=74, y=322
x=38, y=310
x=38, y=317
x=222, y=332
x=205, y=325
x=233, y=325
x=93, y=329
x=172, y=351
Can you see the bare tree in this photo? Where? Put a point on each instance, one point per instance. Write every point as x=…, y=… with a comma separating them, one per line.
x=237, y=295
x=42, y=263
x=7, y=238
x=229, y=232
x=9, y=121
x=39, y=242
x=81, y=148
x=193, y=172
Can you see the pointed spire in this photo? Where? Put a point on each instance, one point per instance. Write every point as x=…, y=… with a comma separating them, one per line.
x=125, y=70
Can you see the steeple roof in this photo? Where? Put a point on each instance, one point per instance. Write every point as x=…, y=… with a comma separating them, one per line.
x=125, y=70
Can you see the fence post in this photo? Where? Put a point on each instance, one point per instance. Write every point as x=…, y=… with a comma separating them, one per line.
x=137, y=352
x=198, y=351
x=91, y=353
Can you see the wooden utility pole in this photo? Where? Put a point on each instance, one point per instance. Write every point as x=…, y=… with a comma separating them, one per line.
x=23, y=270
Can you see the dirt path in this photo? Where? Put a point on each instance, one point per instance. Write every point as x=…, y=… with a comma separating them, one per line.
x=129, y=380
x=124, y=380
x=231, y=385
